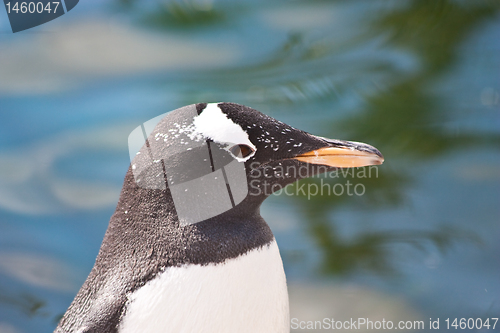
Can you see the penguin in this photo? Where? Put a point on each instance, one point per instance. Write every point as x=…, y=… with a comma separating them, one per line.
x=186, y=249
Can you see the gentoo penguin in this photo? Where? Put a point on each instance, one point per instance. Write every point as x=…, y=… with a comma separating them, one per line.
x=186, y=249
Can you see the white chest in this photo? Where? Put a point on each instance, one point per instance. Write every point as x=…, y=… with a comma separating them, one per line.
x=245, y=294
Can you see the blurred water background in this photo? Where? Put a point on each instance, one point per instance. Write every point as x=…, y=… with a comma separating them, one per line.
x=418, y=79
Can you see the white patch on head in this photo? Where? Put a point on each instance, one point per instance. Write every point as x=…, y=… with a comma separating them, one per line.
x=246, y=294
x=214, y=124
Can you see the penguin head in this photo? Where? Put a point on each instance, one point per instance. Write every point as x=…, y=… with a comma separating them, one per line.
x=219, y=157
x=282, y=154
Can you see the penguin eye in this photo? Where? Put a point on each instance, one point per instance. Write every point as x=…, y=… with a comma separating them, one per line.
x=241, y=150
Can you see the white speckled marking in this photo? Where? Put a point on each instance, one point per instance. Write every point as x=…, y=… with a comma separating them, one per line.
x=214, y=124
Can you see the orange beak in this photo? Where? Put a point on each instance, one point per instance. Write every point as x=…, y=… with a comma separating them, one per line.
x=352, y=154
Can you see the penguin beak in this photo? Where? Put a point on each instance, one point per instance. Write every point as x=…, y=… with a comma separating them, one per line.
x=343, y=154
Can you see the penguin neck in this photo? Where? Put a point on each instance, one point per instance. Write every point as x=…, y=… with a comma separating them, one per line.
x=146, y=221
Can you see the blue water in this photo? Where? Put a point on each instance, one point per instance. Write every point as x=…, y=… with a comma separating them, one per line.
x=417, y=79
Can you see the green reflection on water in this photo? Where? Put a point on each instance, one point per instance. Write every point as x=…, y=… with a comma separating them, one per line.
x=184, y=15
x=434, y=29
x=398, y=120
x=176, y=14
x=28, y=304
x=368, y=250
